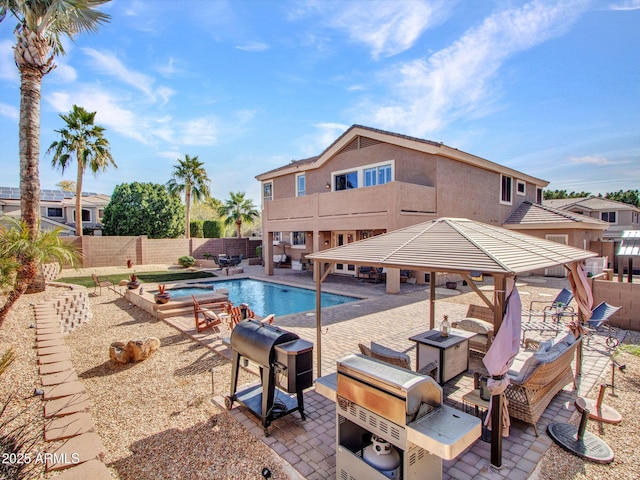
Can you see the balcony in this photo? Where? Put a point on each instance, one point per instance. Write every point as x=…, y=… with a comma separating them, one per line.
x=389, y=206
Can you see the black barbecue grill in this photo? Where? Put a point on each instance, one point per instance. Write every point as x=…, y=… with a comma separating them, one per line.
x=286, y=366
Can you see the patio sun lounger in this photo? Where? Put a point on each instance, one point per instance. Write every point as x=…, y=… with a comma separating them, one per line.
x=205, y=318
x=555, y=309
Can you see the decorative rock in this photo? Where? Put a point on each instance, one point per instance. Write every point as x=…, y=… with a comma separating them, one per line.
x=133, y=350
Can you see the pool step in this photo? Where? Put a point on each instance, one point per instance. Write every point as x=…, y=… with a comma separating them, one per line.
x=182, y=309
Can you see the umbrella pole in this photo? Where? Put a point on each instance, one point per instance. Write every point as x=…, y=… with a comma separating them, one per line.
x=496, y=400
x=318, y=276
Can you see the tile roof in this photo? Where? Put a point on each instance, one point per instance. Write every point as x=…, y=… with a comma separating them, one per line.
x=589, y=203
x=533, y=213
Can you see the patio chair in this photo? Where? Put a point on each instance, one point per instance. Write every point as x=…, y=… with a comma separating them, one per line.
x=98, y=284
x=222, y=260
x=365, y=272
x=399, y=359
x=205, y=318
x=236, y=314
x=601, y=316
x=235, y=260
x=554, y=309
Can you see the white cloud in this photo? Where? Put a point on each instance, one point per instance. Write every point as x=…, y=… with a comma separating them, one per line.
x=9, y=111
x=200, y=131
x=590, y=160
x=625, y=5
x=64, y=73
x=253, y=47
x=107, y=63
x=325, y=135
x=459, y=80
x=8, y=69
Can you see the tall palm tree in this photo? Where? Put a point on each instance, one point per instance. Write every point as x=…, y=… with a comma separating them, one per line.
x=66, y=185
x=190, y=177
x=86, y=141
x=41, y=24
x=20, y=257
x=238, y=210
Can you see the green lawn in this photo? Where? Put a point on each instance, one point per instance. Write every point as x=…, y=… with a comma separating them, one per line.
x=144, y=277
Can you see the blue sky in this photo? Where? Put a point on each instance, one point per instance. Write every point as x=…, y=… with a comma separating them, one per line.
x=550, y=88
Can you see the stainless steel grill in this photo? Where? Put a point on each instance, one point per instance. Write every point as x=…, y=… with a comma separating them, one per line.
x=286, y=366
x=378, y=400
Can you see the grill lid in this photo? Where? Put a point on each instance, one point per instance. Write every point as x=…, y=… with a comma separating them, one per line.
x=256, y=341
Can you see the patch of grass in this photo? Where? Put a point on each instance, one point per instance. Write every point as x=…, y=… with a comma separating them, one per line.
x=629, y=348
x=145, y=277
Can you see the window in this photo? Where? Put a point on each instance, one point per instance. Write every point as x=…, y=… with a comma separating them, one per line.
x=301, y=185
x=346, y=181
x=506, y=187
x=298, y=239
x=377, y=175
x=608, y=217
x=539, y=195
x=100, y=212
x=267, y=191
x=635, y=217
x=54, y=212
x=86, y=215
x=521, y=187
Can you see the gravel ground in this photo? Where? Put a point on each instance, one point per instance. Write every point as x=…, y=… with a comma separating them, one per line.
x=156, y=420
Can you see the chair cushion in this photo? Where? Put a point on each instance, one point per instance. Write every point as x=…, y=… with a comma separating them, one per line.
x=386, y=354
x=552, y=354
x=474, y=325
x=523, y=366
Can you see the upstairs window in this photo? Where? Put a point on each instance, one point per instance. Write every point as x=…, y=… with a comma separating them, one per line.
x=377, y=175
x=301, y=185
x=54, y=212
x=608, y=217
x=506, y=190
x=267, y=191
x=298, y=239
x=521, y=187
x=539, y=195
x=346, y=181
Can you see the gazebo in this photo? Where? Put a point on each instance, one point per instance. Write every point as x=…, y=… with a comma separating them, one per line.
x=455, y=246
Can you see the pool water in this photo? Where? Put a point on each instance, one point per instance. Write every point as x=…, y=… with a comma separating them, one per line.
x=265, y=298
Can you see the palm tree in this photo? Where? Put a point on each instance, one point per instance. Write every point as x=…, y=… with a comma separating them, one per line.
x=190, y=177
x=41, y=24
x=91, y=149
x=20, y=257
x=238, y=209
x=66, y=185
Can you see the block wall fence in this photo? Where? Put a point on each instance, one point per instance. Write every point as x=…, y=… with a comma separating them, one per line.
x=619, y=294
x=116, y=251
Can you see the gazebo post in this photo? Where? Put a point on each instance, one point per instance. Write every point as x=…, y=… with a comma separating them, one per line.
x=432, y=297
x=318, y=278
x=496, y=400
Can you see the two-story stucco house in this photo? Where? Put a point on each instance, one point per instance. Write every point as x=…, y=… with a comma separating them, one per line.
x=618, y=216
x=58, y=208
x=370, y=181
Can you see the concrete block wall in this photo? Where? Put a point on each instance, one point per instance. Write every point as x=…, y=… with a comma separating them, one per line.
x=72, y=307
x=625, y=295
x=51, y=271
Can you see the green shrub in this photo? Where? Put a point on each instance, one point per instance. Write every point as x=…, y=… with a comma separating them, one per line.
x=212, y=229
x=196, y=228
x=186, y=261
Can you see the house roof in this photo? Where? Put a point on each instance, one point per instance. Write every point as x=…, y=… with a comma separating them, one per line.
x=406, y=141
x=535, y=216
x=630, y=245
x=455, y=245
x=48, y=195
x=589, y=204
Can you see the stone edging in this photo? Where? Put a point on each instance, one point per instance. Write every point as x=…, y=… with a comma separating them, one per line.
x=78, y=450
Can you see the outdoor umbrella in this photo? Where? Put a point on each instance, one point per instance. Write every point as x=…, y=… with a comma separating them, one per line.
x=581, y=290
x=503, y=350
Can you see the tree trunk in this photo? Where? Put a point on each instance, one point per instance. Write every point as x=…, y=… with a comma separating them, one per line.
x=29, y=135
x=26, y=274
x=79, y=193
x=187, y=201
x=239, y=228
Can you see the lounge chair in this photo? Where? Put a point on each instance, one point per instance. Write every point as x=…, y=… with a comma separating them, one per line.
x=600, y=316
x=98, y=284
x=236, y=314
x=555, y=309
x=205, y=318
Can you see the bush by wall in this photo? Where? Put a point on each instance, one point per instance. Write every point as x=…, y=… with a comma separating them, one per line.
x=212, y=229
x=196, y=228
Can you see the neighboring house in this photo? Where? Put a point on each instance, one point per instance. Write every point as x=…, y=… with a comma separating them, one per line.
x=371, y=181
x=58, y=208
x=618, y=215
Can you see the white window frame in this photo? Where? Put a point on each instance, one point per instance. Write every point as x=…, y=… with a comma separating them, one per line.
x=301, y=193
x=277, y=238
x=510, y=200
x=264, y=184
x=360, y=173
x=523, y=184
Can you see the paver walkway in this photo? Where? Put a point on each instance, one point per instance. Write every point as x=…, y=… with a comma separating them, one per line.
x=309, y=446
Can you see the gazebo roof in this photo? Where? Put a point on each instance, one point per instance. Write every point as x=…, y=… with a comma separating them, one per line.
x=455, y=245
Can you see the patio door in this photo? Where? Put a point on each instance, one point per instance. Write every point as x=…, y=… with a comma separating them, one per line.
x=558, y=270
x=342, y=238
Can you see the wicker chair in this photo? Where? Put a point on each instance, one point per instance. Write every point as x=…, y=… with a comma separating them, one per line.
x=398, y=359
x=479, y=320
x=529, y=399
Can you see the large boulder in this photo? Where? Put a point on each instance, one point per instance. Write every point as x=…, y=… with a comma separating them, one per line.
x=133, y=350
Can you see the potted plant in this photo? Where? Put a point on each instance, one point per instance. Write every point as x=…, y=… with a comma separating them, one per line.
x=162, y=296
x=133, y=282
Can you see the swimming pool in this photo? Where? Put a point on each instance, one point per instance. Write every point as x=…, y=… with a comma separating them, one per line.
x=265, y=298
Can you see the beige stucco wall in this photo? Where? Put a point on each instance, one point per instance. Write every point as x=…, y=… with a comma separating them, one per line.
x=626, y=295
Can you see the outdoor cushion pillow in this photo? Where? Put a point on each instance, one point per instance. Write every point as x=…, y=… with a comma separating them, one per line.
x=550, y=355
x=476, y=326
x=380, y=352
x=523, y=366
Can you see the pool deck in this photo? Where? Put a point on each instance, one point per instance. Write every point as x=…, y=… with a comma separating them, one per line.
x=309, y=446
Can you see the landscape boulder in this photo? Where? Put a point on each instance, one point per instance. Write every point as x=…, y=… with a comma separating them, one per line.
x=133, y=350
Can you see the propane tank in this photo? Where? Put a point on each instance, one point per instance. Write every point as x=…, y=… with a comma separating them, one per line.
x=384, y=457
